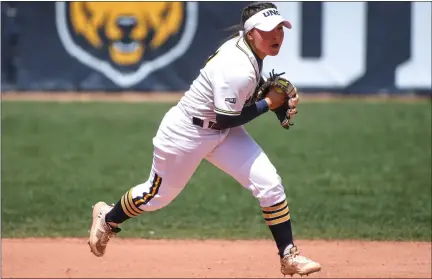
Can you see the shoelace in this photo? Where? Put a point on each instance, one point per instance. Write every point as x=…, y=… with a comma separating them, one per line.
x=300, y=259
x=296, y=257
x=272, y=74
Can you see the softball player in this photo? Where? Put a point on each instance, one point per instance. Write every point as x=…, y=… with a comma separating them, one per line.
x=208, y=123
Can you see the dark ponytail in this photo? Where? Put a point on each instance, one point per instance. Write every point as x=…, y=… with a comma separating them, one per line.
x=247, y=12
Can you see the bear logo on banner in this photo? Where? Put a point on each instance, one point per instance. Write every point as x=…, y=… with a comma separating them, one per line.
x=126, y=41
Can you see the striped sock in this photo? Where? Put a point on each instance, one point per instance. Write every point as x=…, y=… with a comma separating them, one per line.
x=128, y=207
x=123, y=209
x=278, y=217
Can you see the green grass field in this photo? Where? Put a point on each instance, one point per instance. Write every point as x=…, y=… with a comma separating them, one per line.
x=350, y=169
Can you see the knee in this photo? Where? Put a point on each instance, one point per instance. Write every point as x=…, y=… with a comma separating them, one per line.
x=272, y=195
x=271, y=190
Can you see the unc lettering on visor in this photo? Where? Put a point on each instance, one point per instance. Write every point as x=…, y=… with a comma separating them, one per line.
x=266, y=20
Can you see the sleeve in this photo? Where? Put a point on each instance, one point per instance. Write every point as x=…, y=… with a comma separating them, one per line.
x=231, y=88
x=248, y=114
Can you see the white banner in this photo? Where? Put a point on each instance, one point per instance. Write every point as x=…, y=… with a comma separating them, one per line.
x=344, y=48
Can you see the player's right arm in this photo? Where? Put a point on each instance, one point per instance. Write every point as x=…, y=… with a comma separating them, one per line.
x=231, y=87
x=247, y=114
x=230, y=97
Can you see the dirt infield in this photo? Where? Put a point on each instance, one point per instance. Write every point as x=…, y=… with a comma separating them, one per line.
x=138, y=258
x=133, y=97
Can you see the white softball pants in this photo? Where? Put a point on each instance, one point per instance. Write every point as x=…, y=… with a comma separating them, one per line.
x=179, y=147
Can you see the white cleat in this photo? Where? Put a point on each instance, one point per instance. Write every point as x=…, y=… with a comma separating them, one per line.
x=100, y=232
x=292, y=263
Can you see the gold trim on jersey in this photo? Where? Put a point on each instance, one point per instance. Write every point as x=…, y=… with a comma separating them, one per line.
x=212, y=56
x=227, y=111
x=131, y=205
x=249, y=53
x=154, y=189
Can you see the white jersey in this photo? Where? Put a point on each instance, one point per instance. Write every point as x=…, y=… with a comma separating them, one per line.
x=225, y=83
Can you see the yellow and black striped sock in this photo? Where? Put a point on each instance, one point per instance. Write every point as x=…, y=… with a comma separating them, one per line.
x=128, y=207
x=123, y=209
x=278, y=219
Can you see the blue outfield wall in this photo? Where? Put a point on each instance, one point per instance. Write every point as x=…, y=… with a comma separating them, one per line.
x=351, y=47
